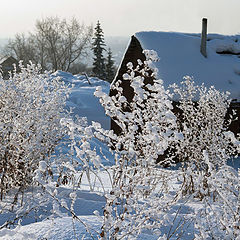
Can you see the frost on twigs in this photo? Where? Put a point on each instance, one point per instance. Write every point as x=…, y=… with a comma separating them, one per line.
x=147, y=127
x=204, y=151
x=207, y=144
x=207, y=141
x=31, y=106
x=147, y=123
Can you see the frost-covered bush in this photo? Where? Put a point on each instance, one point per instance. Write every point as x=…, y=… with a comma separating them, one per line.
x=207, y=143
x=219, y=214
x=147, y=123
x=31, y=106
x=206, y=146
x=147, y=127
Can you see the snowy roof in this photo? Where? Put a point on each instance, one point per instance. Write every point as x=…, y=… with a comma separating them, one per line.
x=180, y=55
x=2, y=60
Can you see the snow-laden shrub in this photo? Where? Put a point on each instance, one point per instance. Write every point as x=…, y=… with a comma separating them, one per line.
x=218, y=216
x=148, y=126
x=31, y=106
x=207, y=143
x=147, y=123
x=206, y=146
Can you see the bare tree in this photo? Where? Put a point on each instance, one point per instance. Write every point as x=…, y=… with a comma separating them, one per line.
x=21, y=47
x=64, y=42
x=55, y=44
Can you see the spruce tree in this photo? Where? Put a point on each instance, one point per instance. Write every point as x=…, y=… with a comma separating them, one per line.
x=98, y=49
x=110, y=69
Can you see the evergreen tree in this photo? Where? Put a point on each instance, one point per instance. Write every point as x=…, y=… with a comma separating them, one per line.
x=110, y=69
x=98, y=48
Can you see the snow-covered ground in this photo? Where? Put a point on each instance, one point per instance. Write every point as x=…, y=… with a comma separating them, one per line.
x=82, y=101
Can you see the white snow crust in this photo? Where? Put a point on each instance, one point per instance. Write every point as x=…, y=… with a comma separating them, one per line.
x=82, y=100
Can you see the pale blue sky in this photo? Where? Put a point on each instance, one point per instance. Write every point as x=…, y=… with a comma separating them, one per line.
x=124, y=17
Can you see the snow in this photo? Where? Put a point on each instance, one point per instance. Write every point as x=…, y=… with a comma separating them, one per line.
x=58, y=228
x=83, y=103
x=42, y=166
x=180, y=55
x=82, y=99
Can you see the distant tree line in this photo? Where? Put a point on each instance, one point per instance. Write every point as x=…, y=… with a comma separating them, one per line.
x=55, y=43
x=58, y=44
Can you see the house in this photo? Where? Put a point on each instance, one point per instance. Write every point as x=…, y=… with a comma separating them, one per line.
x=6, y=64
x=180, y=55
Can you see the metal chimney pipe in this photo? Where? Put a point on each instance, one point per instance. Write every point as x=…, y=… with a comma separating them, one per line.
x=203, y=48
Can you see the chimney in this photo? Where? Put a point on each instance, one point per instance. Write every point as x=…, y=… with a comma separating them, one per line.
x=203, y=49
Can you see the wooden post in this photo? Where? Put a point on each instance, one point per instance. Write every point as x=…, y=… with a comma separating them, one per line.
x=87, y=78
x=203, y=49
